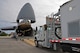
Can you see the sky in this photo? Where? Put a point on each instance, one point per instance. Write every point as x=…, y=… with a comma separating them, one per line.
x=9, y=10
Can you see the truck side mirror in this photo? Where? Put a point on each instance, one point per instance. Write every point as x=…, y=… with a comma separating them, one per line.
x=36, y=28
x=17, y=21
x=45, y=27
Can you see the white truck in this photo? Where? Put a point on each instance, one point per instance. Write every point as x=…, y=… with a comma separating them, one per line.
x=46, y=33
x=69, y=39
x=70, y=27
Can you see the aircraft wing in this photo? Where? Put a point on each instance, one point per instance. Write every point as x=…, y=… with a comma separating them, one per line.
x=4, y=25
x=9, y=28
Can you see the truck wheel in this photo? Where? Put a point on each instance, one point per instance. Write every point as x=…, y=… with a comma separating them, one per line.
x=36, y=43
x=73, y=52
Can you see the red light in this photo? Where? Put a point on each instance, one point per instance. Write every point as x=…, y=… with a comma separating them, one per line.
x=70, y=38
x=63, y=38
x=78, y=38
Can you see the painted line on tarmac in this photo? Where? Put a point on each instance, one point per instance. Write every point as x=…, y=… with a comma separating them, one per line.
x=29, y=41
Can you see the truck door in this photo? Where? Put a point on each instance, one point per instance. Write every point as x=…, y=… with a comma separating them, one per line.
x=41, y=33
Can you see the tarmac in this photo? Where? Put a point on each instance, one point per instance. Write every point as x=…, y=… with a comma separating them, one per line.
x=27, y=40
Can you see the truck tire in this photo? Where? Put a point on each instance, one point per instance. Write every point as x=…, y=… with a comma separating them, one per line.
x=36, y=43
x=73, y=52
x=66, y=47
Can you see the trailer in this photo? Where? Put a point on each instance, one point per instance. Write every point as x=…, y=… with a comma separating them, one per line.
x=70, y=27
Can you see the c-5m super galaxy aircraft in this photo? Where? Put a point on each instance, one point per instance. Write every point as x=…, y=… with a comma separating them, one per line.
x=24, y=20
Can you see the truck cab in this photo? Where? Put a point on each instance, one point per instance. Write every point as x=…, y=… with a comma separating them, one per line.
x=46, y=32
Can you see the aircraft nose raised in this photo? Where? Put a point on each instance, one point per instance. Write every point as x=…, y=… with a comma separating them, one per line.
x=27, y=13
